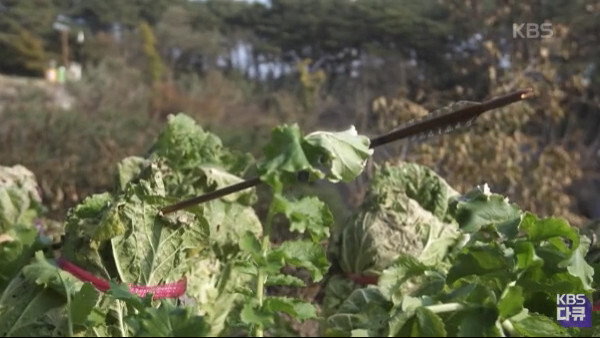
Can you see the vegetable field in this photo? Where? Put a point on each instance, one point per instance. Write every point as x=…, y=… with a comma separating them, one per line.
x=418, y=258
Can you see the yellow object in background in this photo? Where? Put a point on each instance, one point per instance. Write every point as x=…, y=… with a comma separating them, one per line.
x=51, y=75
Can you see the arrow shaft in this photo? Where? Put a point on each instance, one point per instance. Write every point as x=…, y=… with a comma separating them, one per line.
x=211, y=195
x=460, y=115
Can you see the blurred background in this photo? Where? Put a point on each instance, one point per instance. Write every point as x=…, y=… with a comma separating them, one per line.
x=85, y=83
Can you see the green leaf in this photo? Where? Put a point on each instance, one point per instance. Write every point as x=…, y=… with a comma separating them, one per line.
x=539, y=326
x=170, y=321
x=419, y=322
x=402, y=277
x=364, y=309
x=345, y=152
x=253, y=315
x=41, y=272
x=537, y=280
x=526, y=256
x=122, y=292
x=417, y=182
x=298, y=309
x=473, y=289
x=429, y=324
x=479, y=208
x=83, y=303
x=400, y=323
x=217, y=178
x=227, y=223
x=550, y=228
x=284, y=280
x=250, y=244
x=184, y=145
x=24, y=305
x=337, y=290
x=479, y=322
x=304, y=254
x=480, y=260
x=16, y=249
x=308, y=213
x=577, y=265
x=360, y=333
x=20, y=201
x=128, y=169
x=111, y=224
x=399, y=215
x=92, y=205
x=511, y=302
x=284, y=157
x=20, y=205
x=150, y=250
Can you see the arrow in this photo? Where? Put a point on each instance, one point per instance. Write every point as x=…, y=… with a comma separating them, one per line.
x=463, y=114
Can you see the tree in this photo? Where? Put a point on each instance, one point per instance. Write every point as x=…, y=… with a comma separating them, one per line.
x=26, y=36
x=22, y=54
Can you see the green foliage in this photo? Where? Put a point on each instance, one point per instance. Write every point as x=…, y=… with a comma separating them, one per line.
x=155, y=65
x=413, y=229
x=25, y=35
x=287, y=154
x=166, y=320
x=344, y=155
x=501, y=279
x=24, y=52
x=447, y=264
x=121, y=236
x=404, y=211
x=20, y=205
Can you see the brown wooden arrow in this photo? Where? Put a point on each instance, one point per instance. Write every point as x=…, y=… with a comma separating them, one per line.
x=428, y=124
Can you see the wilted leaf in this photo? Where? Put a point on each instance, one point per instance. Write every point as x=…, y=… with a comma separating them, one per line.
x=128, y=169
x=397, y=217
x=20, y=200
x=393, y=280
x=345, y=152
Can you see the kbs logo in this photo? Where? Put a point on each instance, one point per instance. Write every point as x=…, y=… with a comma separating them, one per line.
x=573, y=310
x=531, y=30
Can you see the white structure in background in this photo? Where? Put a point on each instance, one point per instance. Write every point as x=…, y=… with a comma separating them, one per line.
x=74, y=72
x=80, y=37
